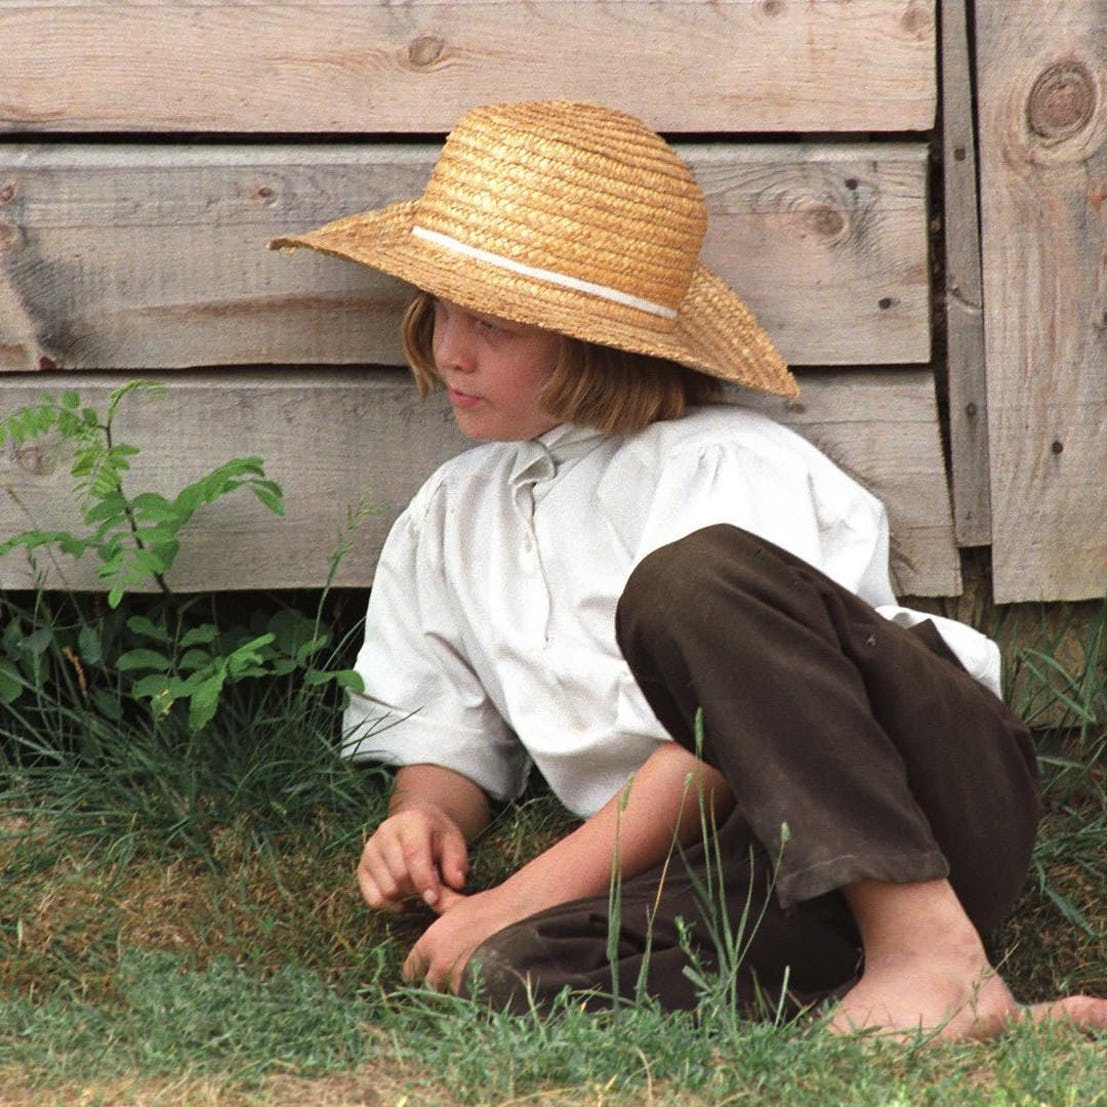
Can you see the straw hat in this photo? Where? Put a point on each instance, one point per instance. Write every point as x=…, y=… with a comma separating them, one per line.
x=571, y=217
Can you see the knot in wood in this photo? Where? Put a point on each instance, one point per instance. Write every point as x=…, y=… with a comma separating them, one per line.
x=11, y=237
x=425, y=50
x=6, y=192
x=31, y=458
x=827, y=221
x=1062, y=101
x=918, y=19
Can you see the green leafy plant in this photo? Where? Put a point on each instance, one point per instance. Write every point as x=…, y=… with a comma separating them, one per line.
x=166, y=655
x=135, y=537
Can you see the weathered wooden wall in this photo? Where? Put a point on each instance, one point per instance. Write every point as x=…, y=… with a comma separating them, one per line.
x=149, y=149
x=1043, y=149
x=367, y=66
x=966, y=376
x=334, y=437
x=155, y=256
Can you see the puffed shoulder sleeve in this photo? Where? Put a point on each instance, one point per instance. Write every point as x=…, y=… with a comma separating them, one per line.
x=422, y=703
x=765, y=479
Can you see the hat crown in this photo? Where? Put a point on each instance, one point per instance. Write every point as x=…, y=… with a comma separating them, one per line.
x=575, y=189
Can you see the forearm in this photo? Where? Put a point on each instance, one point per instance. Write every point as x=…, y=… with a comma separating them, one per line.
x=666, y=801
x=455, y=795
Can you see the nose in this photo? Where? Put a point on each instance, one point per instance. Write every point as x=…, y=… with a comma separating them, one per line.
x=452, y=346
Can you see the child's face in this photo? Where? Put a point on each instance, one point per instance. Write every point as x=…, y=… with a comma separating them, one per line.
x=493, y=371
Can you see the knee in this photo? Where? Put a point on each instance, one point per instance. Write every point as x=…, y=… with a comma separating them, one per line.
x=676, y=580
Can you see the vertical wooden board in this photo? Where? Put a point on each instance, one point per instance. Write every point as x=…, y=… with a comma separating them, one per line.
x=1043, y=149
x=114, y=256
x=370, y=66
x=968, y=386
x=331, y=437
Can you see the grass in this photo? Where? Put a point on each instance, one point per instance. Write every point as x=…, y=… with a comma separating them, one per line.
x=179, y=925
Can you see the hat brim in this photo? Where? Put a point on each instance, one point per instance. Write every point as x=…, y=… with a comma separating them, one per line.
x=715, y=332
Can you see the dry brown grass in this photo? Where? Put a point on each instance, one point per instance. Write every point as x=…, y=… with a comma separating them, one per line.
x=288, y=902
x=374, y=1086
x=370, y=1089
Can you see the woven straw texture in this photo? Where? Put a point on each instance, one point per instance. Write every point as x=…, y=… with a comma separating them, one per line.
x=575, y=218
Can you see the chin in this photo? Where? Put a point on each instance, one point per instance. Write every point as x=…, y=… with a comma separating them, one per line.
x=495, y=436
x=483, y=432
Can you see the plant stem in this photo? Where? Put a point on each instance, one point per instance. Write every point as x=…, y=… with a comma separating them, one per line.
x=128, y=511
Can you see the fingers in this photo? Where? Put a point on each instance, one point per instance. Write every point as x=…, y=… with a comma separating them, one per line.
x=412, y=854
x=379, y=888
x=447, y=900
x=397, y=863
x=420, y=859
x=454, y=863
x=381, y=874
x=440, y=956
x=420, y=967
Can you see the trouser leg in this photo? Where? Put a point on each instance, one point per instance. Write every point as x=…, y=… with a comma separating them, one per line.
x=668, y=922
x=883, y=758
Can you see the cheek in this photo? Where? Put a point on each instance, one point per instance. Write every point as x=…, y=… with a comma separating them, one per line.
x=548, y=359
x=536, y=386
x=434, y=348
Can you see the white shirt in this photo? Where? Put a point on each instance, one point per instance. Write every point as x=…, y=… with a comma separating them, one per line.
x=490, y=641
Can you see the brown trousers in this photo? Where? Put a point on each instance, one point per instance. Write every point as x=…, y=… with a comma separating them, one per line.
x=870, y=744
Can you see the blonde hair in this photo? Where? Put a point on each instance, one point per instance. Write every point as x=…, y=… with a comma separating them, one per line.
x=591, y=385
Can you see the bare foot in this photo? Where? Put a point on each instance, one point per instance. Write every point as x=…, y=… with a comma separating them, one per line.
x=926, y=972
x=904, y=997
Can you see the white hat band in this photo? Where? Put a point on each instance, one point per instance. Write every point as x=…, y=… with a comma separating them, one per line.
x=547, y=275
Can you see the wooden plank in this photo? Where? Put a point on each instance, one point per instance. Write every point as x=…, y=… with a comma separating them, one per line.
x=360, y=66
x=968, y=386
x=330, y=436
x=1043, y=150
x=118, y=256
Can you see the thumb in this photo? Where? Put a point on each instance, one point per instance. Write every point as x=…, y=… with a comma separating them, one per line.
x=454, y=862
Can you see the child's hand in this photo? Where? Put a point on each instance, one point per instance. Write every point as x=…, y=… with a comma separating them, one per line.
x=418, y=851
x=438, y=959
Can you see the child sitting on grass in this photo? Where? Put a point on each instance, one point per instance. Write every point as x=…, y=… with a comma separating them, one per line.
x=675, y=609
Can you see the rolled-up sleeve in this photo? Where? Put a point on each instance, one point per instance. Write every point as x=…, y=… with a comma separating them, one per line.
x=422, y=703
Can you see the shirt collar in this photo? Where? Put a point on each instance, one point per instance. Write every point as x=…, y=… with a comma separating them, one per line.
x=542, y=458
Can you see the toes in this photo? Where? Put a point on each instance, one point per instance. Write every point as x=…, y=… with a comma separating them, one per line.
x=1081, y=1012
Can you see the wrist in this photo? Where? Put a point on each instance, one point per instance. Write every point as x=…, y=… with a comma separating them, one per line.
x=403, y=803
x=442, y=793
